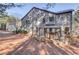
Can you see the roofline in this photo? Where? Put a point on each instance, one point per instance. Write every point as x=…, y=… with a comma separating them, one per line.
x=39, y=9
x=44, y=10
x=27, y=13
x=65, y=11
x=59, y=12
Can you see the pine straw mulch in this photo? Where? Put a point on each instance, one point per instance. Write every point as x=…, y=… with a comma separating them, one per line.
x=8, y=44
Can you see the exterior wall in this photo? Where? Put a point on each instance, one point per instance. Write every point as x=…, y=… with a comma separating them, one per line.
x=35, y=19
x=64, y=20
x=14, y=25
x=11, y=27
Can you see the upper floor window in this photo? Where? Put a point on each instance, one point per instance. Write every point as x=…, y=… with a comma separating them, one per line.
x=62, y=18
x=43, y=20
x=51, y=19
x=27, y=22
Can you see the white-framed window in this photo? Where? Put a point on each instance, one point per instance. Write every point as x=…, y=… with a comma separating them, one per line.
x=51, y=19
x=43, y=20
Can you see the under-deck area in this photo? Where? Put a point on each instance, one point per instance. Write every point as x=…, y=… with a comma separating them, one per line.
x=49, y=32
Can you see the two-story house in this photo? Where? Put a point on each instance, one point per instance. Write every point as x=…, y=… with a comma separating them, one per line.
x=46, y=23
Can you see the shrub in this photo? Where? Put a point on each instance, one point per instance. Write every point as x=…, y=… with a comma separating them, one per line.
x=20, y=31
x=24, y=32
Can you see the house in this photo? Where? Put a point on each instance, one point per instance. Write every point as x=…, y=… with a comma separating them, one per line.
x=9, y=24
x=13, y=25
x=46, y=23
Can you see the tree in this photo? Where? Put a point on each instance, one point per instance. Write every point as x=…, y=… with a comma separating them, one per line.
x=75, y=24
x=49, y=5
x=76, y=16
x=4, y=6
x=4, y=17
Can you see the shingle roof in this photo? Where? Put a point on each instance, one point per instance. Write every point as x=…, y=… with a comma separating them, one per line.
x=59, y=12
x=65, y=11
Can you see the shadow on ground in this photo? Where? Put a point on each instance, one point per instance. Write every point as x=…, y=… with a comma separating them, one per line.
x=34, y=47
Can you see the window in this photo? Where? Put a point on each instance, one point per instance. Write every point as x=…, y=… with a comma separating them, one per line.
x=51, y=19
x=62, y=18
x=43, y=20
x=27, y=22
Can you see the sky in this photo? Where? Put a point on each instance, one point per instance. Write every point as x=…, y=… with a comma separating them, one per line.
x=22, y=11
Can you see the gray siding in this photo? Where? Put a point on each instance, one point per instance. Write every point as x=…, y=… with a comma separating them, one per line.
x=36, y=16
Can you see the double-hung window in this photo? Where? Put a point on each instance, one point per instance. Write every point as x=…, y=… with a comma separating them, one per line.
x=52, y=20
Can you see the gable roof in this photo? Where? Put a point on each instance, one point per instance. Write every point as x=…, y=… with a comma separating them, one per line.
x=59, y=12
x=65, y=11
